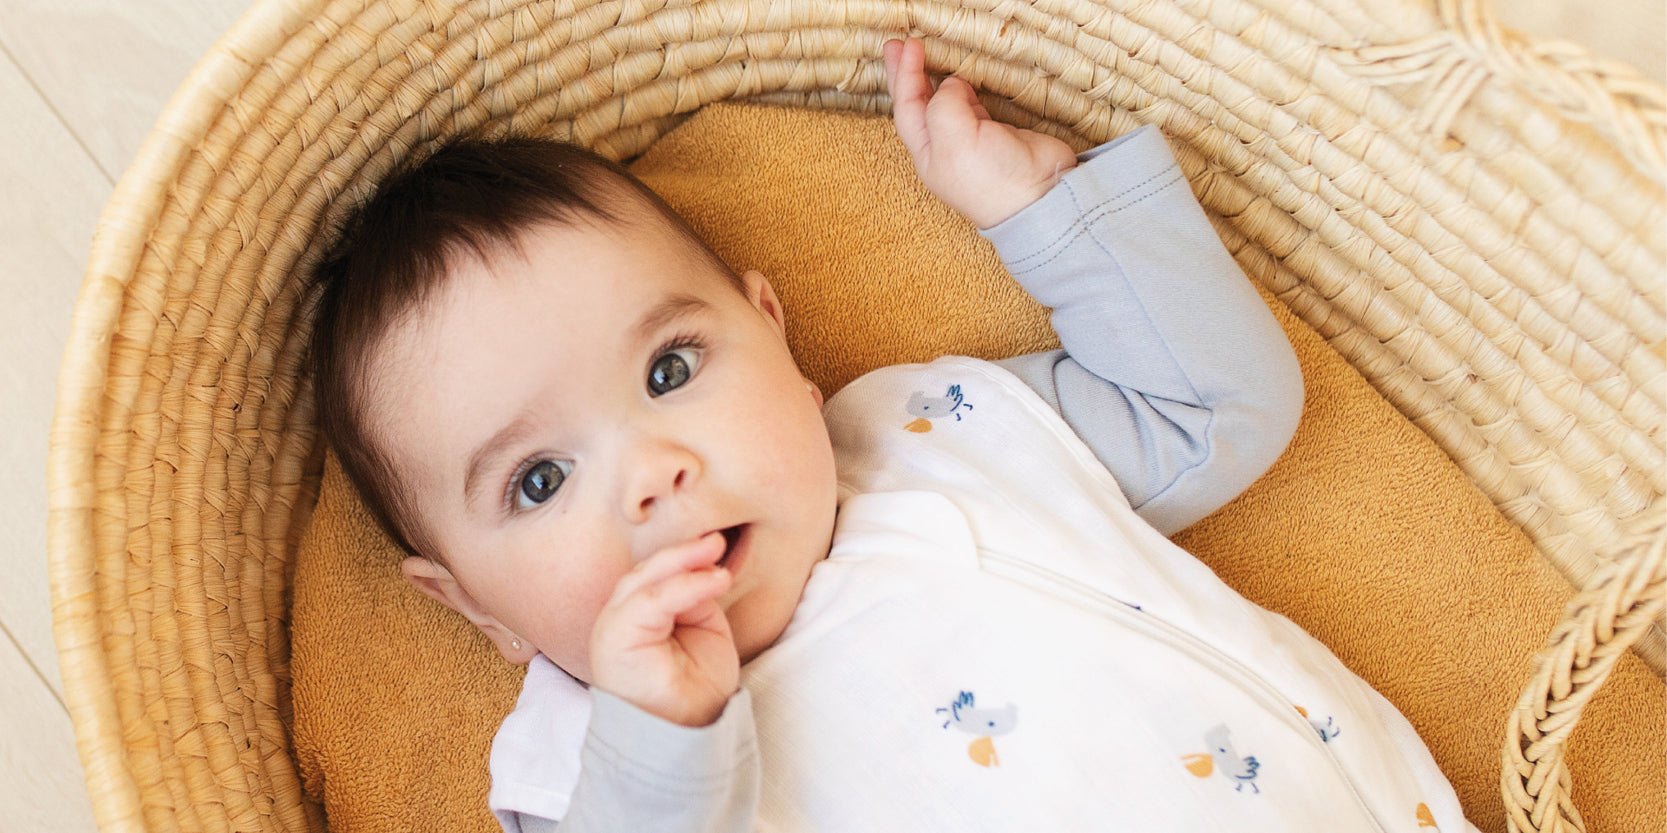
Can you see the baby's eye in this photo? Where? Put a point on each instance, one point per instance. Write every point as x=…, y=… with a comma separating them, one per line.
x=672, y=369
x=540, y=483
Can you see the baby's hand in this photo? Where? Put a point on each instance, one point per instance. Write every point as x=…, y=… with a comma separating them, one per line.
x=662, y=643
x=982, y=168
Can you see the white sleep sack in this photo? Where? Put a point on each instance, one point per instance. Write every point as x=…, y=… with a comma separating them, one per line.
x=997, y=642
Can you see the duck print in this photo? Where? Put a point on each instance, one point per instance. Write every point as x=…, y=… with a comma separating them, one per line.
x=1223, y=758
x=1327, y=730
x=986, y=723
x=928, y=408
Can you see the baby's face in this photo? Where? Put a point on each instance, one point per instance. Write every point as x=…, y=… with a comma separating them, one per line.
x=562, y=413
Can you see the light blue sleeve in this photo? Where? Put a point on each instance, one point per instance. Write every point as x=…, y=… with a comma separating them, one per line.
x=1173, y=370
x=641, y=773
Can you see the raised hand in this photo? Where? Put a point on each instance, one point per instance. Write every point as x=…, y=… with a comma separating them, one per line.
x=662, y=643
x=982, y=168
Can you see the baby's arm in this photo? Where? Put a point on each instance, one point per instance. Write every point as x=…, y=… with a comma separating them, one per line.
x=1174, y=372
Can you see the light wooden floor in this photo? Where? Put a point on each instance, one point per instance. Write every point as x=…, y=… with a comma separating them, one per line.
x=81, y=81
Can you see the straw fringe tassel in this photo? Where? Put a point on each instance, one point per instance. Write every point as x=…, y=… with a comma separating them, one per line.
x=1453, y=64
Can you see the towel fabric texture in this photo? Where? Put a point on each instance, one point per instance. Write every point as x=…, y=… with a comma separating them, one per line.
x=1364, y=533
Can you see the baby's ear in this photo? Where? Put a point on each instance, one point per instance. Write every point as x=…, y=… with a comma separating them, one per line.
x=437, y=583
x=763, y=297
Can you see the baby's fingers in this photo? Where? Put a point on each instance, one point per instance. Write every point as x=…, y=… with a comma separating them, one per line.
x=667, y=648
x=648, y=615
x=692, y=555
x=953, y=114
x=910, y=90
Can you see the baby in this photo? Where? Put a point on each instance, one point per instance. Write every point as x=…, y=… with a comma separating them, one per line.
x=941, y=600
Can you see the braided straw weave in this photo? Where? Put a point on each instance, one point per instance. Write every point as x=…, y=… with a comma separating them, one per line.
x=1470, y=219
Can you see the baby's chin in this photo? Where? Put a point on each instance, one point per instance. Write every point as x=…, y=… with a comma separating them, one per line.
x=772, y=564
x=748, y=653
x=757, y=624
x=758, y=619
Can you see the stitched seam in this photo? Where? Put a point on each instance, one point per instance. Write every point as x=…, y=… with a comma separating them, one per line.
x=1191, y=388
x=1107, y=207
x=1209, y=426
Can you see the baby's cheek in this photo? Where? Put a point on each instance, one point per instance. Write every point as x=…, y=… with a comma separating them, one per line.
x=558, y=608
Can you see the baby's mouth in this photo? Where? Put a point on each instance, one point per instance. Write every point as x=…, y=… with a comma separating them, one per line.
x=734, y=537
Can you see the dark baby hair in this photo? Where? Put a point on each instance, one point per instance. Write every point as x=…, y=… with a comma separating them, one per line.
x=472, y=196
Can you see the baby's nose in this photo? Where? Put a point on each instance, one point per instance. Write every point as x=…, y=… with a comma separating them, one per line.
x=645, y=502
x=659, y=473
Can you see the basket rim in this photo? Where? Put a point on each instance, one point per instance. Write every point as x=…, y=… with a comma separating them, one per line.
x=71, y=539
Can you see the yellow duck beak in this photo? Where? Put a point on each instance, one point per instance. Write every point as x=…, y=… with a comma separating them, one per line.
x=1425, y=817
x=1199, y=765
x=920, y=426
x=983, y=751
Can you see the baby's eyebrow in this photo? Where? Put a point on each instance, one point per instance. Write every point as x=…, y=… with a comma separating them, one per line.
x=489, y=451
x=670, y=308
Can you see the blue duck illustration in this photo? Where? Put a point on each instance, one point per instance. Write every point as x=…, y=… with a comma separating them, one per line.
x=928, y=408
x=1223, y=758
x=963, y=713
x=1328, y=730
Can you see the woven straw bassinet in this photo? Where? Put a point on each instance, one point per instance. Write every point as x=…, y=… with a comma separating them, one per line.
x=1472, y=220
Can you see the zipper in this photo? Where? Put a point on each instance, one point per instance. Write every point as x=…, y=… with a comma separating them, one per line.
x=1147, y=624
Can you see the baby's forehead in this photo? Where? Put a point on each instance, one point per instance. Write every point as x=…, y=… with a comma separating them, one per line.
x=638, y=242
x=492, y=280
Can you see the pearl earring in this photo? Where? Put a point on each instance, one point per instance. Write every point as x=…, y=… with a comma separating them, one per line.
x=515, y=644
